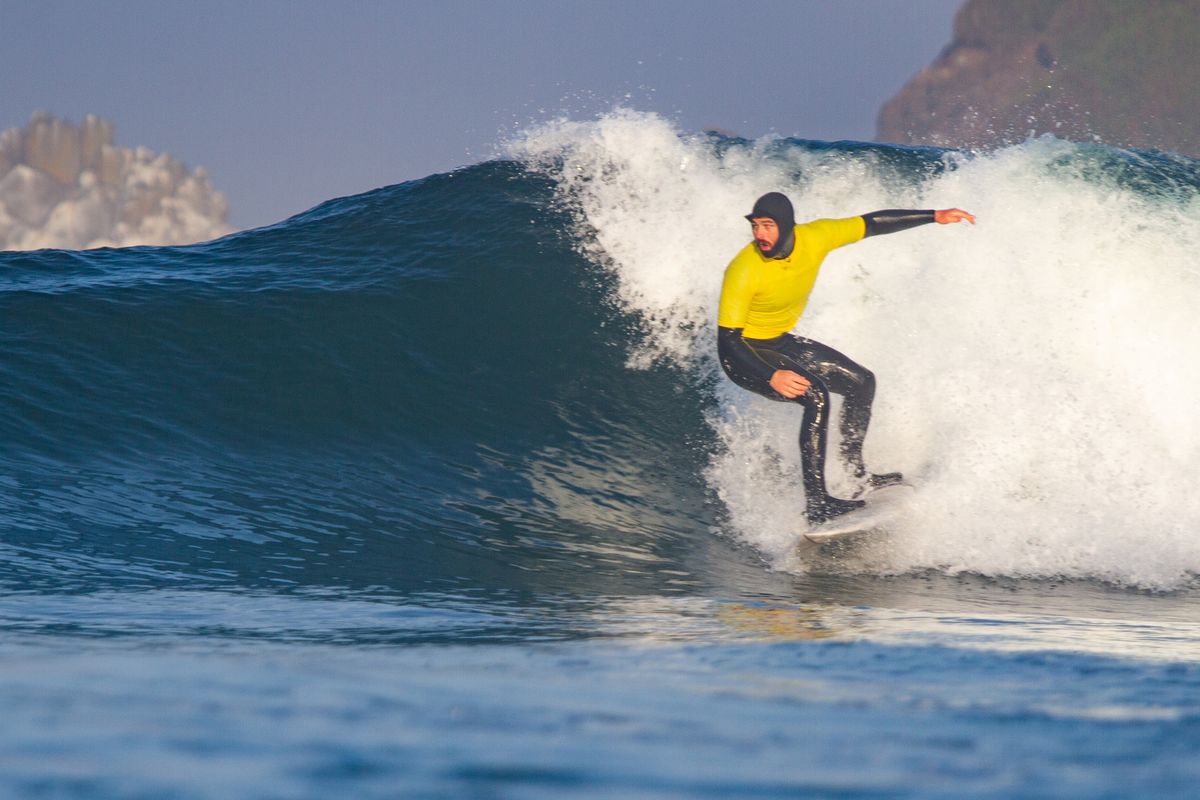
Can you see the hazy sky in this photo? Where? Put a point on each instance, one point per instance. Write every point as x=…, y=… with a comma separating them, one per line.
x=288, y=104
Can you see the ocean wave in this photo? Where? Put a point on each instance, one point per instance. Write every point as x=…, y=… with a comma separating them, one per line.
x=503, y=377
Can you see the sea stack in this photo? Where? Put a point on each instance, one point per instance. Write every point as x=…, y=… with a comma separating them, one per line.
x=63, y=186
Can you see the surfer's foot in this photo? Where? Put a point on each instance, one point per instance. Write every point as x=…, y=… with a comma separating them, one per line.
x=870, y=482
x=826, y=508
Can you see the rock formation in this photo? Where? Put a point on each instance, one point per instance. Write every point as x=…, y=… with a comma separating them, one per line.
x=1125, y=73
x=69, y=187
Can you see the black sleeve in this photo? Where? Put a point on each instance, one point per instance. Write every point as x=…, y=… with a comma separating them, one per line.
x=737, y=357
x=895, y=219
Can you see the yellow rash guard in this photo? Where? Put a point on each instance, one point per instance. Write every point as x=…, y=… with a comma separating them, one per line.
x=766, y=296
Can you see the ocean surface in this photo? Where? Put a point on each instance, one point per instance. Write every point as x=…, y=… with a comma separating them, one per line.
x=437, y=492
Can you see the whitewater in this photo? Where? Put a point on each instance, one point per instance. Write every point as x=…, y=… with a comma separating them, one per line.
x=1038, y=372
x=438, y=490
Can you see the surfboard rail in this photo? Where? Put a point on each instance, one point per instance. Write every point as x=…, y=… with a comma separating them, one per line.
x=882, y=505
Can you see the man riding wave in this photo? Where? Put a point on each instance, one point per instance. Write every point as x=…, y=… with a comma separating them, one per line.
x=765, y=290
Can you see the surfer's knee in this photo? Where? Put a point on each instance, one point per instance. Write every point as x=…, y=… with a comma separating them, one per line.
x=866, y=383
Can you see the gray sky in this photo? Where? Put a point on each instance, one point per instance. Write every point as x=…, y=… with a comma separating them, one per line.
x=288, y=104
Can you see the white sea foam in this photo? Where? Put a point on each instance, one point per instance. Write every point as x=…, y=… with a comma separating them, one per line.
x=1037, y=372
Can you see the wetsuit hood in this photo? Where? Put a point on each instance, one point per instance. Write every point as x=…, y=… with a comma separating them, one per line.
x=776, y=206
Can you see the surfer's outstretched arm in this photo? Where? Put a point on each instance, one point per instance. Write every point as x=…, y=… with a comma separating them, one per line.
x=901, y=219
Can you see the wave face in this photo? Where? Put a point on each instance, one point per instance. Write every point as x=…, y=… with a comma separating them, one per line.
x=421, y=388
x=502, y=379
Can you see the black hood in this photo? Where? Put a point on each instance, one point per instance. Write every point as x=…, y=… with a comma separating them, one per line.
x=776, y=206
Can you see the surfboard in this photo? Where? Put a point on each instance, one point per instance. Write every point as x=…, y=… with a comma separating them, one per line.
x=882, y=505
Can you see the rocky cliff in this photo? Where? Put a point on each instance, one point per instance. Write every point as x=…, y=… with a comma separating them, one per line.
x=69, y=187
x=1125, y=72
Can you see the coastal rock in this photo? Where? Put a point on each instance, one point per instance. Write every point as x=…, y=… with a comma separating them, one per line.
x=1122, y=73
x=52, y=147
x=69, y=187
x=94, y=136
x=34, y=191
x=10, y=150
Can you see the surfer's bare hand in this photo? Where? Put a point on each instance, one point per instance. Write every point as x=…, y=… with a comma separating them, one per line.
x=789, y=384
x=950, y=215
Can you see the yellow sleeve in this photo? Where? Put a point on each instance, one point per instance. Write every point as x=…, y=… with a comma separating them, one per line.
x=835, y=233
x=737, y=289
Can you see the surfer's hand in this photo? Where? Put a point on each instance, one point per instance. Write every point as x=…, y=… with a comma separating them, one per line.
x=789, y=384
x=949, y=215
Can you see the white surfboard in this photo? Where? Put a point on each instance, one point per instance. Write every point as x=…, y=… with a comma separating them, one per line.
x=882, y=506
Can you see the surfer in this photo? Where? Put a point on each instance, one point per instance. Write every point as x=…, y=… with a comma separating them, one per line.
x=766, y=287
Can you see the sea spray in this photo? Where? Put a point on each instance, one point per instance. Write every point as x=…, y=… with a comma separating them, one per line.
x=1037, y=372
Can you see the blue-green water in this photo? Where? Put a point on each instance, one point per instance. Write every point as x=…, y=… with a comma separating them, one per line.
x=419, y=495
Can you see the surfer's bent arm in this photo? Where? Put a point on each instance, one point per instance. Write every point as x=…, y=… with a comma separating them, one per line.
x=900, y=219
x=738, y=358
